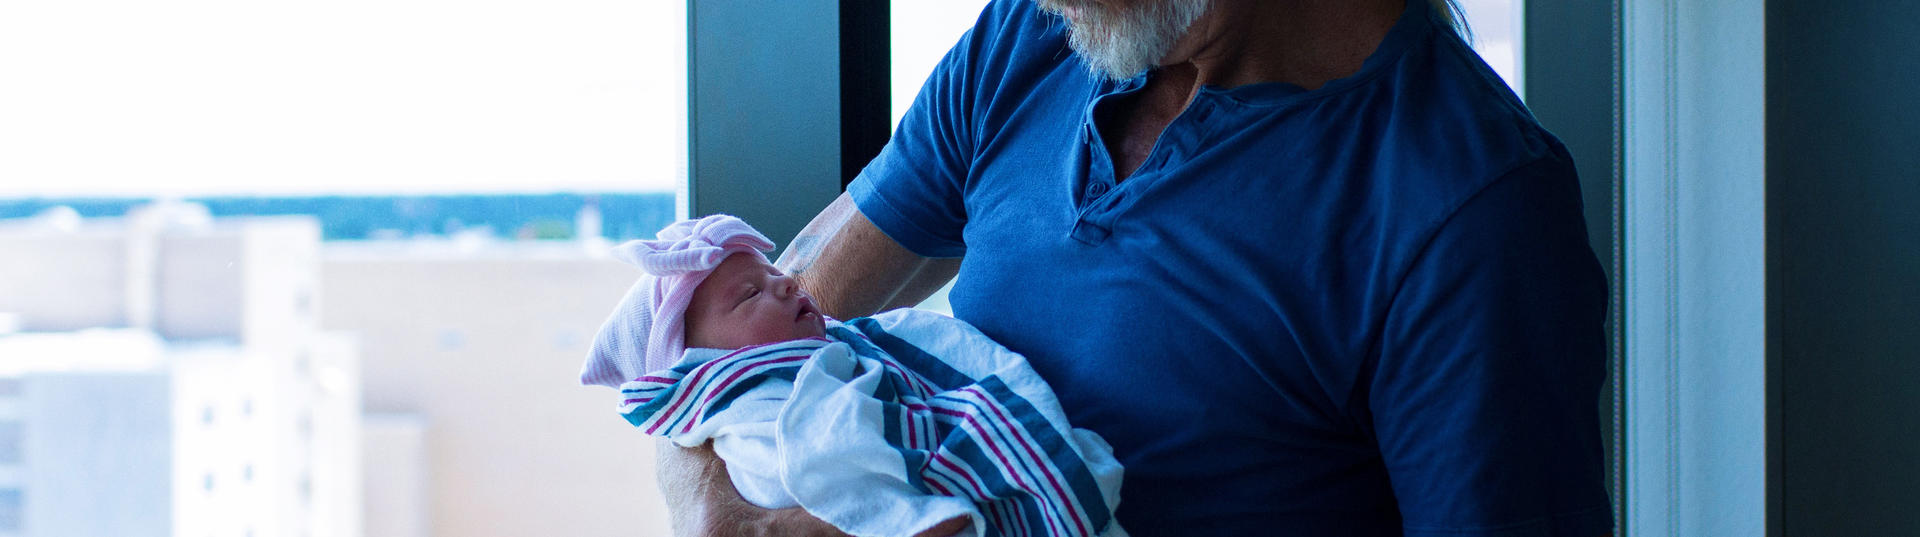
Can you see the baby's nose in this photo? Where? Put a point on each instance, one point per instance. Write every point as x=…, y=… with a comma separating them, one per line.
x=786, y=286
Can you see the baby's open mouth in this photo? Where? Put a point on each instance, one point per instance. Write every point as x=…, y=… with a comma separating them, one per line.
x=806, y=308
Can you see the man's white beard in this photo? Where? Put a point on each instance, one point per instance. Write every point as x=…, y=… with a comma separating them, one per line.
x=1121, y=42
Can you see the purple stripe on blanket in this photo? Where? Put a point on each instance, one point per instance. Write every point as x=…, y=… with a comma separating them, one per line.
x=1054, y=521
x=724, y=385
x=694, y=380
x=1047, y=470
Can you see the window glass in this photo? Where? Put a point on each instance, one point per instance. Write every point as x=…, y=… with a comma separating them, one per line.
x=216, y=97
x=1497, y=28
x=10, y=441
x=10, y=510
x=923, y=31
x=364, y=209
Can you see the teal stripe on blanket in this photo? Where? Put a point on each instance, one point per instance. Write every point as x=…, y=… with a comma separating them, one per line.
x=722, y=369
x=1056, y=450
x=1010, y=458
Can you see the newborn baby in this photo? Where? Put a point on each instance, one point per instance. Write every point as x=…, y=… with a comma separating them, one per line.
x=886, y=425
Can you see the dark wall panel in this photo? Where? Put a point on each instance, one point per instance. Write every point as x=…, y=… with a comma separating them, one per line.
x=1843, y=204
x=764, y=110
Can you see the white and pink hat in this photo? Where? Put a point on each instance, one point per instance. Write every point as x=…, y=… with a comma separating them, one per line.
x=647, y=331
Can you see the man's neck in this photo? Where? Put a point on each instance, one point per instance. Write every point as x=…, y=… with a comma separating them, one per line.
x=1306, y=43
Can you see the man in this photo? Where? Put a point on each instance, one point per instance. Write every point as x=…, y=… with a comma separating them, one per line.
x=1308, y=265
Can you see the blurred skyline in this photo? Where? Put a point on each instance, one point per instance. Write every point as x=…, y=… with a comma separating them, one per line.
x=617, y=216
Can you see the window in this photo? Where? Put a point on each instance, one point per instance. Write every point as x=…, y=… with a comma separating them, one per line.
x=305, y=488
x=11, y=510
x=459, y=166
x=1496, y=28
x=923, y=31
x=452, y=340
x=12, y=436
x=416, y=96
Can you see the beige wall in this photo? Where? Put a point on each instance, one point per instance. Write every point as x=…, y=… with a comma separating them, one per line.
x=249, y=279
x=199, y=291
x=485, y=346
x=395, y=452
x=66, y=282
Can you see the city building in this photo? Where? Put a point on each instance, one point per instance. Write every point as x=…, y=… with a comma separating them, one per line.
x=166, y=374
x=473, y=349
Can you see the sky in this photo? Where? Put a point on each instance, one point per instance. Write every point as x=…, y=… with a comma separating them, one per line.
x=132, y=97
x=245, y=97
x=298, y=97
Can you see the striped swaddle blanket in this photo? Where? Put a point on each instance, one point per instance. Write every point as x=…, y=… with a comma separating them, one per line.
x=889, y=426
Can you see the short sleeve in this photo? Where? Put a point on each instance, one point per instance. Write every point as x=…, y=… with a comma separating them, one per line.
x=1485, y=397
x=913, y=190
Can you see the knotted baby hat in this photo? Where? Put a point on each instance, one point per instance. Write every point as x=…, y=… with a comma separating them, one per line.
x=647, y=331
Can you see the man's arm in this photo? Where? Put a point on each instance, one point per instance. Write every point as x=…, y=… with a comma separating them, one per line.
x=1490, y=357
x=852, y=269
x=702, y=501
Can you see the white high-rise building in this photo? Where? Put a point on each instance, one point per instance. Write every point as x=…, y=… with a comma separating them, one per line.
x=165, y=374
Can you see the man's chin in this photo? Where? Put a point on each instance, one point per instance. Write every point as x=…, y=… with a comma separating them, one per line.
x=1112, y=66
x=1057, y=7
x=1149, y=39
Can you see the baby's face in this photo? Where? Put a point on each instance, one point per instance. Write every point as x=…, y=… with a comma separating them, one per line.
x=748, y=302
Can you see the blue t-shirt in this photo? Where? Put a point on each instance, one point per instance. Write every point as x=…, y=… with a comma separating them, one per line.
x=1365, y=309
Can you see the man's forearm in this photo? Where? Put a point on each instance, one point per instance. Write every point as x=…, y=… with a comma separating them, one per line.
x=853, y=269
x=929, y=279
x=701, y=500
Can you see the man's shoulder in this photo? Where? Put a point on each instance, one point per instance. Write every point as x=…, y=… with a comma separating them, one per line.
x=1462, y=117
x=1020, y=23
x=1014, y=44
x=1451, y=129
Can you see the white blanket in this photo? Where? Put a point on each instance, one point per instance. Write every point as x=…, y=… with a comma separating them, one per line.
x=890, y=426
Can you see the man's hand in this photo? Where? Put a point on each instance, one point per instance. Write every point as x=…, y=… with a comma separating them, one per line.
x=702, y=502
